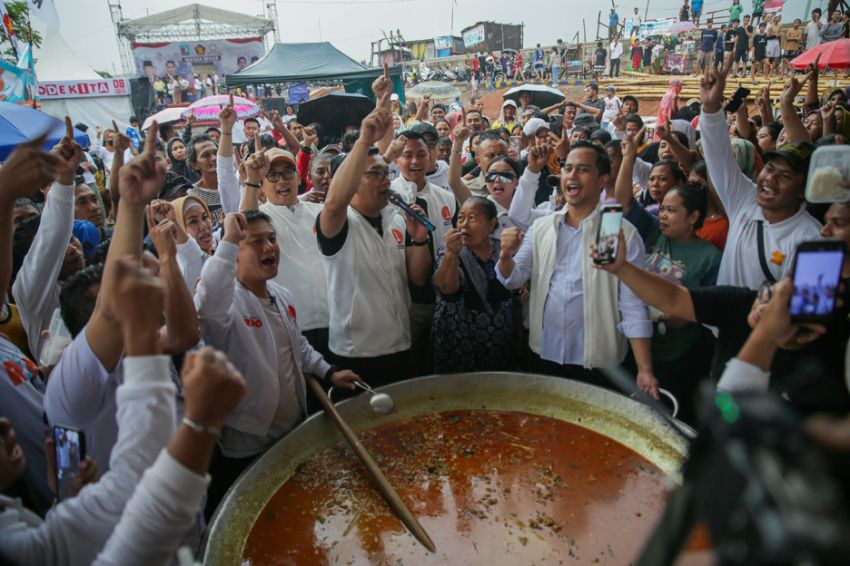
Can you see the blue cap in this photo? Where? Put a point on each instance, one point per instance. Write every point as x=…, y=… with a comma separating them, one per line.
x=88, y=235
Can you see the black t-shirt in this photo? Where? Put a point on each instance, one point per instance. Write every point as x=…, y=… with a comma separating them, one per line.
x=811, y=378
x=743, y=39
x=729, y=40
x=760, y=46
x=601, y=53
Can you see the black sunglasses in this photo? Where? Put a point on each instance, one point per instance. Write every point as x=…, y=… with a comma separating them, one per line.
x=504, y=176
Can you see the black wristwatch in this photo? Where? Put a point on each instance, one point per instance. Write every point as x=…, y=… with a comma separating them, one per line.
x=328, y=374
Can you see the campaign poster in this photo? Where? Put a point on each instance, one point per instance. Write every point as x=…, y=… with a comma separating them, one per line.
x=773, y=7
x=16, y=84
x=186, y=58
x=473, y=36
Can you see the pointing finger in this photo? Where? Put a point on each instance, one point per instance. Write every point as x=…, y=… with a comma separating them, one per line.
x=386, y=70
x=256, y=142
x=231, y=100
x=150, y=140
x=115, y=126
x=69, y=128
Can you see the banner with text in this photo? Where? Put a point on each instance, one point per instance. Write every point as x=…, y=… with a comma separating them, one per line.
x=83, y=89
x=185, y=58
x=473, y=36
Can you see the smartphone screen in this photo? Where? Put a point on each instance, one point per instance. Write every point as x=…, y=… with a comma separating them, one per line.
x=817, y=272
x=737, y=99
x=609, y=232
x=70, y=450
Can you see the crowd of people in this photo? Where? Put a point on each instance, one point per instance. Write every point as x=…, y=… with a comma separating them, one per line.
x=199, y=279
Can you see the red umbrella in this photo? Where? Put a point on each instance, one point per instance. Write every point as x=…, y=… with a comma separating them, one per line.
x=833, y=55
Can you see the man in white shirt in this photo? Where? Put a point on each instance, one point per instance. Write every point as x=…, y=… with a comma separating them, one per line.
x=768, y=218
x=615, y=52
x=814, y=29
x=612, y=106
x=370, y=254
x=252, y=319
x=76, y=529
x=274, y=173
x=578, y=315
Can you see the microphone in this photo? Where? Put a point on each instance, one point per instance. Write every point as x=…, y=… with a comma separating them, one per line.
x=397, y=200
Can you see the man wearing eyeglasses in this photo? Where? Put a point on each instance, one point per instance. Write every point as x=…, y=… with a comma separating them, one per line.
x=370, y=253
x=294, y=222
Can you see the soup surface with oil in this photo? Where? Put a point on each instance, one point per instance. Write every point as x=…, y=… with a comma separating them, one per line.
x=489, y=487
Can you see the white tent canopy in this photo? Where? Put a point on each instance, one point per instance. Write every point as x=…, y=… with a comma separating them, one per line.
x=56, y=61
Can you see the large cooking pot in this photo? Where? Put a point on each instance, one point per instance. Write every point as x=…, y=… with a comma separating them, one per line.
x=601, y=410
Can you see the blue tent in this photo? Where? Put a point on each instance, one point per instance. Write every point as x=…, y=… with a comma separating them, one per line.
x=20, y=124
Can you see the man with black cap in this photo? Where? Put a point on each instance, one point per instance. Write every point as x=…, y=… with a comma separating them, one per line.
x=768, y=218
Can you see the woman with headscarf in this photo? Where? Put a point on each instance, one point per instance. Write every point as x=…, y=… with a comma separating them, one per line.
x=195, y=241
x=670, y=102
x=176, y=151
x=473, y=319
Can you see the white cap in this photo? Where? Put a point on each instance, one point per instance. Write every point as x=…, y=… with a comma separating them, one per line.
x=533, y=125
x=393, y=96
x=509, y=102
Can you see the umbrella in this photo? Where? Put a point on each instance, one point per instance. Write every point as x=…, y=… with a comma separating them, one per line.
x=541, y=95
x=208, y=108
x=20, y=124
x=334, y=111
x=437, y=89
x=680, y=27
x=165, y=116
x=834, y=55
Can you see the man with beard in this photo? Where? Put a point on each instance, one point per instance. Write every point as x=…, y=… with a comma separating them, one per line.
x=580, y=317
x=768, y=218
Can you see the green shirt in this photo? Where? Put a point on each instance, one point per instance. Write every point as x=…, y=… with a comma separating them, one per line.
x=691, y=264
x=735, y=12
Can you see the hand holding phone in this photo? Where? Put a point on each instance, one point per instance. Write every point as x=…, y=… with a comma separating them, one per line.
x=817, y=273
x=70, y=450
x=738, y=98
x=608, y=234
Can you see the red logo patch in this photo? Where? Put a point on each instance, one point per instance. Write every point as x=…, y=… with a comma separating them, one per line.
x=254, y=322
x=399, y=238
x=447, y=214
x=314, y=228
x=291, y=311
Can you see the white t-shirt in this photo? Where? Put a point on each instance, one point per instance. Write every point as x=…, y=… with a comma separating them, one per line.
x=813, y=34
x=615, y=50
x=612, y=106
x=237, y=444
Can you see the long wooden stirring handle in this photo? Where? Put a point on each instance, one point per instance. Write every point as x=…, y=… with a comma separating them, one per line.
x=392, y=498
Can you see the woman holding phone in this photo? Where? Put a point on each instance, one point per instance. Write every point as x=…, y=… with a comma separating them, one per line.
x=676, y=253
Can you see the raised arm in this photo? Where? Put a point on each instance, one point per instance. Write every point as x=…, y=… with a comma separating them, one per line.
x=522, y=212
x=733, y=187
x=289, y=138
x=382, y=88
x=685, y=156
x=215, y=291
x=623, y=186
x=347, y=179
x=120, y=144
x=812, y=73
x=794, y=128
x=765, y=105
x=35, y=288
x=256, y=169
x=456, y=184
x=24, y=170
x=181, y=331
x=228, y=182
x=165, y=504
x=140, y=181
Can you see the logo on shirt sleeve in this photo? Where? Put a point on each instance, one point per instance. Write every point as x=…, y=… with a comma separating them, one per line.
x=399, y=237
x=291, y=310
x=447, y=214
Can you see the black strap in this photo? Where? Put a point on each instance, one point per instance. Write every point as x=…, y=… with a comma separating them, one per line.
x=763, y=260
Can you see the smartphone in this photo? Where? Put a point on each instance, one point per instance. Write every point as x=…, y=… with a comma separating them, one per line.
x=817, y=272
x=70, y=450
x=738, y=98
x=608, y=234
